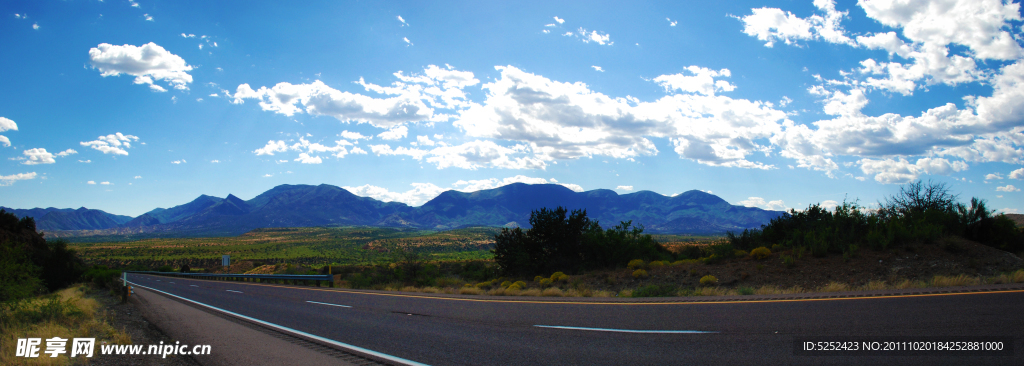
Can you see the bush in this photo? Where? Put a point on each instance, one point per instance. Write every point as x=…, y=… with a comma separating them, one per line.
x=165, y=268
x=760, y=253
x=656, y=291
x=655, y=264
x=506, y=284
x=745, y=291
x=101, y=276
x=559, y=276
x=521, y=284
x=788, y=261
x=484, y=285
x=778, y=247
x=708, y=280
x=514, y=287
x=739, y=253
x=639, y=273
x=538, y=278
x=636, y=264
x=545, y=282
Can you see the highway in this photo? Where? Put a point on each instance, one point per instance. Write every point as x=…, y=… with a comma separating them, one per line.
x=472, y=330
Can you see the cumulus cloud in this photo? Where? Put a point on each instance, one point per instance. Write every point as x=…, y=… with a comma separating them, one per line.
x=178, y=162
x=438, y=87
x=491, y=183
x=561, y=120
x=91, y=182
x=900, y=170
x=6, y=180
x=598, y=68
x=394, y=133
x=559, y=20
x=1017, y=174
x=595, y=36
x=306, y=159
x=147, y=63
x=354, y=136
x=624, y=188
x=37, y=156
x=67, y=152
x=116, y=143
x=307, y=150
x=1007, y=188
x=420, y=194
x=772, y=25
x=6, y=125
x=701, y=80
x=993, y=176
x=776, y=205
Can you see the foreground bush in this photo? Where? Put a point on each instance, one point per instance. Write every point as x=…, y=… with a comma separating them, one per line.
x=760, y=253
x=708, y=280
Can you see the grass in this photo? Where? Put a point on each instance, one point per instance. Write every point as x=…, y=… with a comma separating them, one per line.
x=555, y=291
x=69, y=313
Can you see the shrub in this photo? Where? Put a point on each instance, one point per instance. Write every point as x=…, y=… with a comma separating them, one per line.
x=778, y=247
x=506, y=284
x=655, y=264
x=655, y=291
x=739, y=253
x=538, y=278
x=788, y=261
x=545, y=282
x=514, y=287
x=639, y=273
x=165, y=268
x=708, y=280
x=745, y=291
x=760, y=253
x=635, y=264
x=559, y=276
x=521, y=284
x=484, y=285
x=552, y=291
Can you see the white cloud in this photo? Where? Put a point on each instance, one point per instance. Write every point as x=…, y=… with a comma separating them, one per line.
x=482, y=184
x=215, y=161
x=183, y=35
x=400, y=19
x=672, y=23
x=306, y=159
x=559, y=20
x=90, y=182
x=776, y=205
x=35, y=26
x=6, y=180
x=1017, y=174
x=595, y=36
x=1009, y=211
x=773, y=24
x=900, y=170
x=178, y=162
x=624, y=188
x=138, y=177
x=7, y=125
x=598, y=68
x=356, y=136
x=37, y=156
x=569, y=121
x=272, y=147
x=116, y=143
x=407, y=41
x=85, y=161
x=147, y=63
x=268, y=175
x=147, y=17
x=701, y=81
x=105, y=183
x=424, y=141
x=482, y=153
x=420, y=194
x=993, y=176
x=67, y=152
x=394, y=133
x=439, y=87
x=1007, y=188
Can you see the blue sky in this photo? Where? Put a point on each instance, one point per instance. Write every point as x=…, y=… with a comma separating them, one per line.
x=126, y=106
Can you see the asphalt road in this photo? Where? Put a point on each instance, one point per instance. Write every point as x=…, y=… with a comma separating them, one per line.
x=472, y=331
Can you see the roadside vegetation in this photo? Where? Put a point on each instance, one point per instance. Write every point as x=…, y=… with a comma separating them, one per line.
x=40, y=293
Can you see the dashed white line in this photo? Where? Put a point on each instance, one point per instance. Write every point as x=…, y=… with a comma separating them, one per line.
x=324, y=303
x=235, y=291
x=627, y=330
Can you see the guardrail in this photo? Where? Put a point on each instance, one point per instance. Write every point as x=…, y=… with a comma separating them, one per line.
x=272, y=278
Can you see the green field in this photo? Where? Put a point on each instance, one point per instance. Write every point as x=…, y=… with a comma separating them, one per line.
x=307, y=246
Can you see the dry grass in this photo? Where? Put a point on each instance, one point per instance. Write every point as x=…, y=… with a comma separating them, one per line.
x=874, y=286
x=1014, y=277
x=626, y=293
x=552, y=291
x=713, y=291
x=531, y=292
x=908, y=284
x=470, y=291
x=834, y=287
x=774, y=290
x=80, y=318
x=955, y=281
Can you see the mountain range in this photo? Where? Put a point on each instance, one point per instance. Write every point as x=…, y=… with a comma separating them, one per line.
x=692, y=212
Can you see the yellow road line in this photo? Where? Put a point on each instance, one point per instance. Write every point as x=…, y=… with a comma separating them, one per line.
x=618, y=303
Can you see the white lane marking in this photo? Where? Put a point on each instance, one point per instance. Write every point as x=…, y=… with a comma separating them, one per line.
x=193, y=285
x=235, y=291
x=316, y=337
x=627, y=330
x=324, y=303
